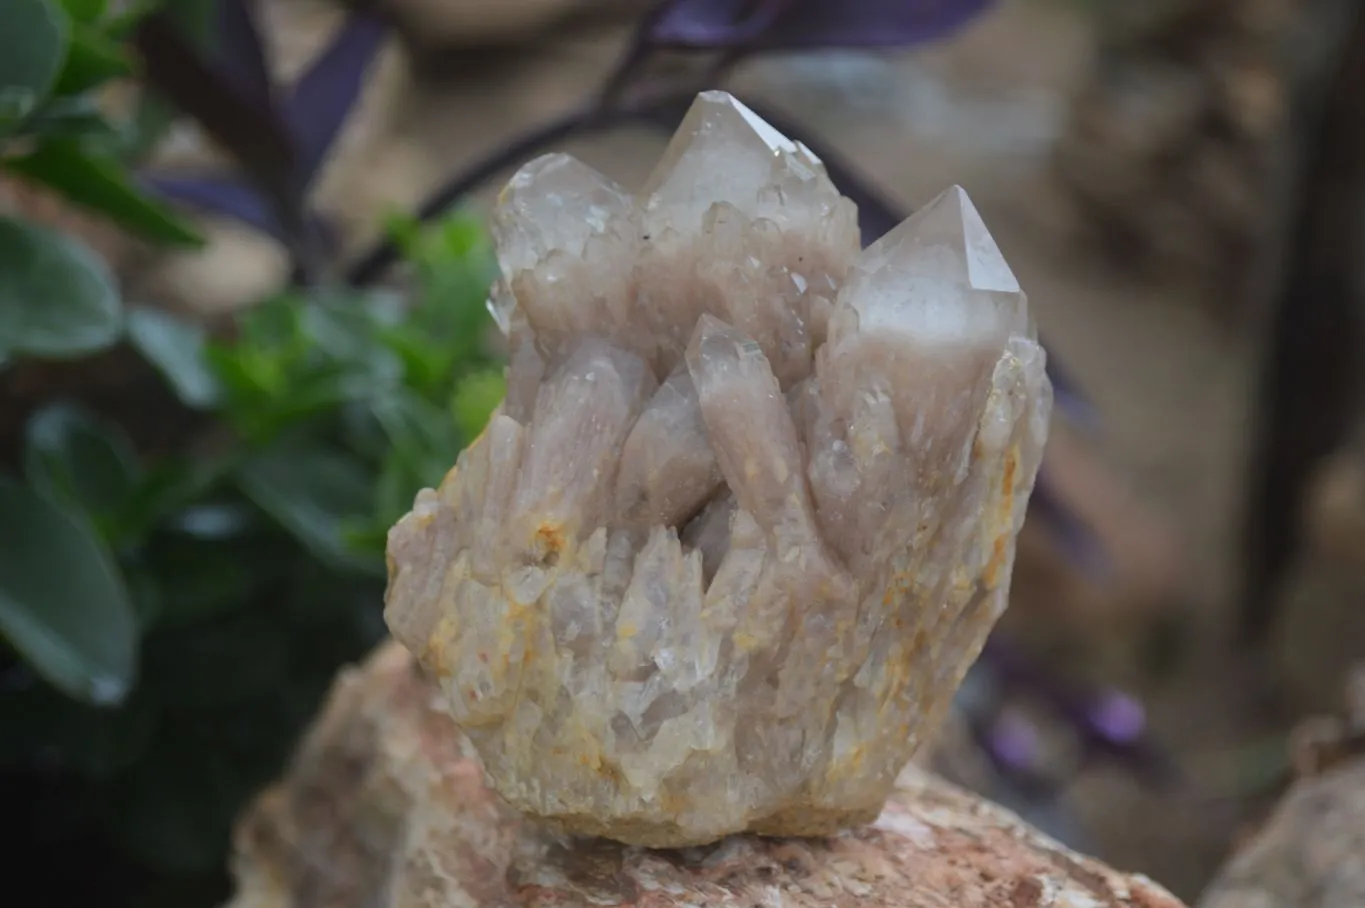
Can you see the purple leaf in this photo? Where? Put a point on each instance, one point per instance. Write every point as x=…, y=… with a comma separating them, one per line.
x=809, y=24
x=321, y=100
x=220, y=196
x=240, y=54
x=249, y=131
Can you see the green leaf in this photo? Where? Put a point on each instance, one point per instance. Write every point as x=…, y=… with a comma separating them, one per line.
x=420, y=433
x=15, y=105
x=56, y=296
x=77, y=117
x=176, y=348
x=63, y=604
x=476, y=397
x=151, y=120
x=84, y=462
x=85, y=12
x=314, y=493
x=100, y=185
x=172, y=490
x=32, y=45
x=91, y=59
x=120, y=25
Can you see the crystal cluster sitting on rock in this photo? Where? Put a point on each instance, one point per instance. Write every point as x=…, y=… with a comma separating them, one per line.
x=748, y=511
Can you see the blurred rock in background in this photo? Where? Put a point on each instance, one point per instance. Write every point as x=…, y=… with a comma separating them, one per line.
x=1320, y=628
x=1179, y=149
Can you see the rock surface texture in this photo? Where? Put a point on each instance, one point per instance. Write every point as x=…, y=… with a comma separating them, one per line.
x=749, y=510
x=1311, y=851
x=382, y=809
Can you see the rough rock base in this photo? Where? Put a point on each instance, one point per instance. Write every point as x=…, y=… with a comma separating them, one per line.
x=383, y=808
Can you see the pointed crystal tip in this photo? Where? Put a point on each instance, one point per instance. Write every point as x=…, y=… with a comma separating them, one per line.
x=555, y=202
x=722, y=152
x=940, y=276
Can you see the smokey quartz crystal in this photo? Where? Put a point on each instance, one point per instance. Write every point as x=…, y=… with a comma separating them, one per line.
x=748, y=511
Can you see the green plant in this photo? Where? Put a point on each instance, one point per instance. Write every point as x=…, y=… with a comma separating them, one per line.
x=56, y=61
x=184, y=613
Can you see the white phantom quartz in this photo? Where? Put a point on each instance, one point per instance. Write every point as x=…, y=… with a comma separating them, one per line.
x=748, y=511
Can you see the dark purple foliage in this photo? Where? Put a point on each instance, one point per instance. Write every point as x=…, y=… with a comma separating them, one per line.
x=319, y=103
x=239, y=53
x=279, y=136
x=809, y=24
x=221, y=196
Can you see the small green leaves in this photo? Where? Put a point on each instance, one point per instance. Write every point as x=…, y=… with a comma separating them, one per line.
x=475, y=399
x=56, y=298
x=63, y=604
x=32, y=48
x=91, y=59
x=176, y=348
x=85, y=12
x=316, y=494
x=82, y=462
x=100, y=185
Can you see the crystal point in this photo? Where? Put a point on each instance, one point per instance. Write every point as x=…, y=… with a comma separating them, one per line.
x=748, y=510
x=940, y=276
x=554, y=203
x=717, y=128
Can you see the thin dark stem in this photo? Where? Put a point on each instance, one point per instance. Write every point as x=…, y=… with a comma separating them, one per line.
x=638, y=51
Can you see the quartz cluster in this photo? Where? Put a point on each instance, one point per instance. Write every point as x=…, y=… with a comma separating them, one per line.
x=748, y=511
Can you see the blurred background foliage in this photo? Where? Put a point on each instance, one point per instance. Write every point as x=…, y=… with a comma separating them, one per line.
x=237, y=335
x=171, y=614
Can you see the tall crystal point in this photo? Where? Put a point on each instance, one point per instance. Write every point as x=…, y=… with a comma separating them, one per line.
x=749, y=510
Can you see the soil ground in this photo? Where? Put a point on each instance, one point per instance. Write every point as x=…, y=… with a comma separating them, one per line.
x=1171, y=383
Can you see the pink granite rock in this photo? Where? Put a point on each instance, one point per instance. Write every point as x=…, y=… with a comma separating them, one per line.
x=382, y=809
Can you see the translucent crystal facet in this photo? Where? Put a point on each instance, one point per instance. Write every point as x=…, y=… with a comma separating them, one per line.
x=748, y=511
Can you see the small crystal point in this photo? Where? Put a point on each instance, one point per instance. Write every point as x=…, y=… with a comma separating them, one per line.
x=554, y=203
x=724, y=152
x=938, y=276
x=716, y=124
x=565, y=239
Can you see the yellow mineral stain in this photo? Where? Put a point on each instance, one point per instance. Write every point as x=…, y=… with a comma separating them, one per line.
x=673, y=802
x=435, y=656
x=626, y=631
x=847, y=765
x=745, y=642
x=990, y=576
x=898, y=587
x=549, y=542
